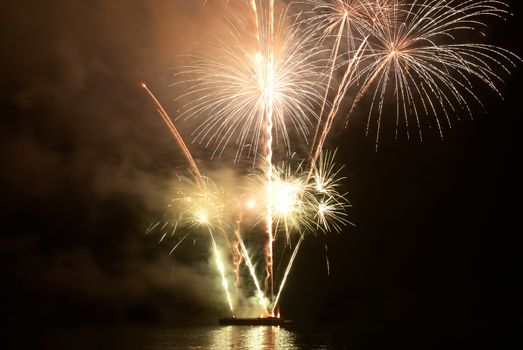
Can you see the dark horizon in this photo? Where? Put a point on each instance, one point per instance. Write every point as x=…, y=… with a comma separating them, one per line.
x=86, y=161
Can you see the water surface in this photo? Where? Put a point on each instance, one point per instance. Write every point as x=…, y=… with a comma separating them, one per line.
x=174, y=338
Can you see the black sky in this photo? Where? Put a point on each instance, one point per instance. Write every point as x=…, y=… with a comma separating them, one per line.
x=86, y=164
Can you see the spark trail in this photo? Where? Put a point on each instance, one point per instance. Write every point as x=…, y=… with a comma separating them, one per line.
x=327, y=88
x=287, y=270
x=247, y=259
x=221, y=268
x=342, y=90
x=259, y=293
x=174, y=131
x=266, y=52
x=270, y=110
x=347, y=19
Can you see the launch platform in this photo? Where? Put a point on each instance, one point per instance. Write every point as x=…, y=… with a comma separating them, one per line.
x=258, y=321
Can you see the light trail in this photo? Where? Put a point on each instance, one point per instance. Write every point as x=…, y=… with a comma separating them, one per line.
x=174, y=131
x=221, y=268
x=342, y=91
x=287, y=270
x=259, y=293
x=327, y=88
x=266, y=51
x=270, y=111
x=245, y=255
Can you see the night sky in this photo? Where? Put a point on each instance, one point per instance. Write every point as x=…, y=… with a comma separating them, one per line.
x=86, y=165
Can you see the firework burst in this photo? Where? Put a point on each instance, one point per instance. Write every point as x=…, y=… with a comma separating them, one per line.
x=303, y=201
x=426, y=66
x=231, y=90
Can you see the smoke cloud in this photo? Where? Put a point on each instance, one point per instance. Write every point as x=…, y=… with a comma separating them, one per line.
x=87, y=163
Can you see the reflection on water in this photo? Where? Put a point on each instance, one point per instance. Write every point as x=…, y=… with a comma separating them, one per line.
x=177, y=338
x=217, y=337
x=226, y=337
x=256, y=337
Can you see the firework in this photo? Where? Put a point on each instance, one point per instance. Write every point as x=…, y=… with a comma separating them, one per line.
x=234, y=87
x=352, y=20
x=300, y=203
x=330, y=202
x=245, y=95
x=424, y=63
x=203, y=204
x=198, y=204
x=257, y=89
x=418, y=57
x=347, y=79
x=303, y=201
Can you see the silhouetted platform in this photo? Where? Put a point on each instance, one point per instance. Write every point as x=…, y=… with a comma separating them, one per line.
x=259, y=321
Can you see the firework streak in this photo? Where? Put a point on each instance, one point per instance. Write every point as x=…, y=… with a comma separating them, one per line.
x=176, y=134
